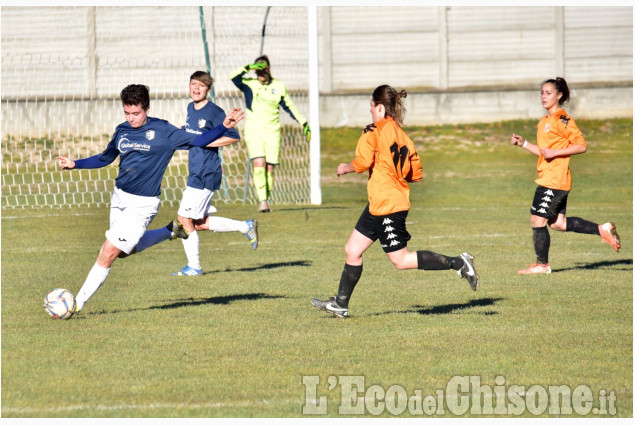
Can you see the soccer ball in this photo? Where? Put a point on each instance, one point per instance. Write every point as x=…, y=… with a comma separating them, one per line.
x=59, y=304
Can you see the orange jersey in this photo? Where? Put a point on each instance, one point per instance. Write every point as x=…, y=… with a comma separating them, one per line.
x=390, y=156
x=557, y=131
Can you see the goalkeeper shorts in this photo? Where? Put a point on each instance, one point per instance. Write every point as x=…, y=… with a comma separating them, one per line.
x=264, y=145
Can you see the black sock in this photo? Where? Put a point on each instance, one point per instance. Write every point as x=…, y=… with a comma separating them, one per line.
x=428, y=260
x=580, y=225
x=350, y=277
x=542, y=240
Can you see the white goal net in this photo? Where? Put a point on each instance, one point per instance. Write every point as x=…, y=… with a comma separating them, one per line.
x=63, y=69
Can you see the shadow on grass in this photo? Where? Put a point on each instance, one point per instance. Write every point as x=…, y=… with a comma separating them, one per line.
x=448, y=308
x=599, y=264
x=192, y=302
x=265, y=267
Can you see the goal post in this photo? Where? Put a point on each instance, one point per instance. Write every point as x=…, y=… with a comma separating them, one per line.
x=60, y=88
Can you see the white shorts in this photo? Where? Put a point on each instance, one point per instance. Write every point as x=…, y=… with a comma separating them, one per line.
x=195, y=203
x=130, y=216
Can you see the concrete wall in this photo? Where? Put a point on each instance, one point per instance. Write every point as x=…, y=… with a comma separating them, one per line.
x=62, y=67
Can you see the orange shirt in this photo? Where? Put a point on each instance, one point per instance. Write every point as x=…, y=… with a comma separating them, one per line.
x=557, y=131
x=390, y=156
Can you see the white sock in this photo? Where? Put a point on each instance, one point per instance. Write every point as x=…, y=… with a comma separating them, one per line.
x=95, y=278
x=191, y=250
x=153, y=237
x=222, y=224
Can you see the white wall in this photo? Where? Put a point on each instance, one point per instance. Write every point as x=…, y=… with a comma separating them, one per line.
x=459, y=64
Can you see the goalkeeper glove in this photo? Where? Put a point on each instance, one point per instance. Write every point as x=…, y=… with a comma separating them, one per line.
x=258, y=66
x=307, y=132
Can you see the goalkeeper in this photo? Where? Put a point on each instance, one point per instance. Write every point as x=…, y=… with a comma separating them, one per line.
x=263, y=98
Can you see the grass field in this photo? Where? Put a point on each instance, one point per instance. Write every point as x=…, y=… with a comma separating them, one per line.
x=237, y=341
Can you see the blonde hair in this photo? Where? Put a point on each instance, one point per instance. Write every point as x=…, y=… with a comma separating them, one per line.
x=391, y=99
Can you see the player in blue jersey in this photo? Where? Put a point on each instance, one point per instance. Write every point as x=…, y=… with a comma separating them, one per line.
x=144, y=146
x=264, y=96
x=205, y=177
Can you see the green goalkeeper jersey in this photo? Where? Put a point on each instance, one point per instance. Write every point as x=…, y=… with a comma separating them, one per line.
x=263, y=102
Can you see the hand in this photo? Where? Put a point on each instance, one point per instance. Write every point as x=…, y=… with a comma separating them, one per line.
x=307, y=132
x=258, y=66
x=234, y=117
x=548, y=153
x=517, y=140
x=65, y=163
x=344, y=169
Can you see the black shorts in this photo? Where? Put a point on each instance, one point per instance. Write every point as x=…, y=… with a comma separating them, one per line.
x=548, y=203
x=390, y=229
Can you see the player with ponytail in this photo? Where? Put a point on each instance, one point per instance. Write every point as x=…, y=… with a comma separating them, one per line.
x=558, y=137
x=391, y=159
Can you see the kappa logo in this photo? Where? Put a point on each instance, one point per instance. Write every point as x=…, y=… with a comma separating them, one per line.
x=202, y=122
x=150, y=134
x=546, y=198
x=389, y=229
x=394, y=243
x=549, y=192
x=544, y=204
x=542, y=210
x=391, y=236
x=387, y=221
x=565, y=120
x=369, y=127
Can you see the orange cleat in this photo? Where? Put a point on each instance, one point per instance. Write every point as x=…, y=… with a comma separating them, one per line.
x=536, y=269
x=610, y=236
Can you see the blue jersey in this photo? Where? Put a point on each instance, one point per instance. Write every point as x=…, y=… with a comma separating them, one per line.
x=144, y=154
x=204, y=163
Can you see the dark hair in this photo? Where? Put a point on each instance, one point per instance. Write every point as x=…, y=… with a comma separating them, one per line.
x=136, y=94
x=264, y=72
x=561, y=86
x=391, y=99
x=203, y=77
x=263, y=58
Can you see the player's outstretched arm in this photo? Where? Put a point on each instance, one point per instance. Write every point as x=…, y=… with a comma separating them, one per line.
x=234, y=117
x=222, y=141
x=65, y=163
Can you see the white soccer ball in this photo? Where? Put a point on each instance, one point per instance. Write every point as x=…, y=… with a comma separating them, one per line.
x=59, y=304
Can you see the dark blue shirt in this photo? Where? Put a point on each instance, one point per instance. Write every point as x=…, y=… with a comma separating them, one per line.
x=204, y=163
x=145, y=153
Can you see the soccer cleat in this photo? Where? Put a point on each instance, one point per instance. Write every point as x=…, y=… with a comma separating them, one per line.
x=177, y=230
x=330, y=306
x=467, y=271
x=610, y=236
x=536, y=269
x=252, y=233
x=263, y=207
x=188, y=271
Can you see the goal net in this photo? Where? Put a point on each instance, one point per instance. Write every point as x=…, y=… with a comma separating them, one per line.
x=61, y=84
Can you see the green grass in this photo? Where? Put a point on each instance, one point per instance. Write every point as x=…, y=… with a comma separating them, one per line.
x=237, y=341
